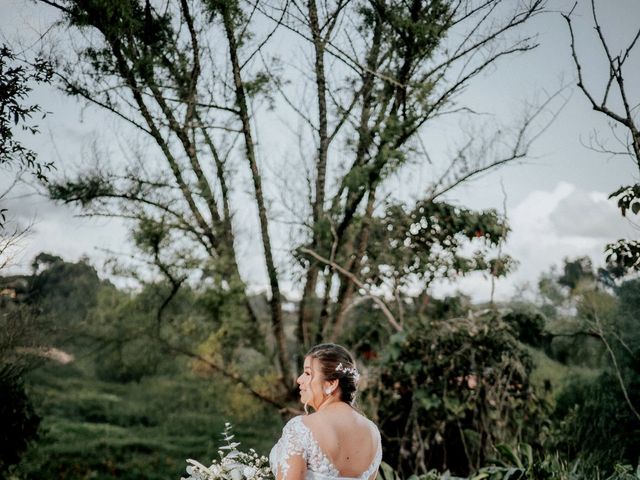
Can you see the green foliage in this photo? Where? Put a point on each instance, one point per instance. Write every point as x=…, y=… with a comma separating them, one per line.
x=125, y=329
x=625, y=254
x=451, y=389
x=628, y=319
x=448, y=307
x=628, y=198
x=521, y=463
x=575, y=272
x=84, y=189
x=146, y=430
x=579, y=308
x=596, y=423
x=64, y=293
x=16, y=80
x=18, y=419
x=20, y=339
x=595, y=326
x=130, y=28
x=529, y=325
x=428, y=241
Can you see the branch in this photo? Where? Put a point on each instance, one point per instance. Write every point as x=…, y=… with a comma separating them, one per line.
x=600, y=333
x=598, y=107
x=378, y=301
x=92, y=99
x=56, y=5
x=230, y=375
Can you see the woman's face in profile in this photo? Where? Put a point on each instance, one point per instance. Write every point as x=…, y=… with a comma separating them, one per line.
x=310, y=382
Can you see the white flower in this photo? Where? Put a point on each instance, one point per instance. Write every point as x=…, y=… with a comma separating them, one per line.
x=234, y=464
x=216, y=470
x=249, y=472
x=236, y=474
x=197, y=471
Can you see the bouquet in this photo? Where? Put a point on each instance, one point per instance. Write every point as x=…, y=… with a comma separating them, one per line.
x=233, y=464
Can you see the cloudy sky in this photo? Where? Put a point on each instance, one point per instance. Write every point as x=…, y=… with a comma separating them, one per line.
x=556, y=200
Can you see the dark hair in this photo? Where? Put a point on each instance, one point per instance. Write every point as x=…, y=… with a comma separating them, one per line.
x=330, y=356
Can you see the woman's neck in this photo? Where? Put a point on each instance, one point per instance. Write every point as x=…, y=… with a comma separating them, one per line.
x=330, y=403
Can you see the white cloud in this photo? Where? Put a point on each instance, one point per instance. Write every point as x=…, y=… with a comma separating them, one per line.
x=548, y=226
x=588, y=215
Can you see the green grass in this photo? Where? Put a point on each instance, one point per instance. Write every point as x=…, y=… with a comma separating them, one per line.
x=555, y=373
x=101, y=430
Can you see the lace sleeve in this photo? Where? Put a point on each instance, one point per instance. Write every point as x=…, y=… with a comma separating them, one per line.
x=293, y=443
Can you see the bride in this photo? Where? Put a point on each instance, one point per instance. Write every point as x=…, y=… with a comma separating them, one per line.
x=334, y=442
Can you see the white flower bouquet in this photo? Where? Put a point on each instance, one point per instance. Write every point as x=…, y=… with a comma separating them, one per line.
x=233, y=464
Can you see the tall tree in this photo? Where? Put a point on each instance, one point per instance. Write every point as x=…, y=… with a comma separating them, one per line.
x=19, y=333
x=191, y=76
x=614, y=101
x=17, y=78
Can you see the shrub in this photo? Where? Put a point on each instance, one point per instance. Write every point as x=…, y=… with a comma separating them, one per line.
x=451, y=389
x=596, y=423
x=18, y=419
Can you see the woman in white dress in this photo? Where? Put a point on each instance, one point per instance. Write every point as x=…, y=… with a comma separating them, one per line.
x=336, y=441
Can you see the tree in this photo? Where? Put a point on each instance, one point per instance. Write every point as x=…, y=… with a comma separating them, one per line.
x=19, y=335
x=19, y=421
x=18, y=332
x=615, y=103
x=595, y=327
x=600, y=421
x=16, y=78
x=191, y=77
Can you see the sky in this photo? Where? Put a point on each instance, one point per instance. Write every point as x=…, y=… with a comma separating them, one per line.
x=556, y=200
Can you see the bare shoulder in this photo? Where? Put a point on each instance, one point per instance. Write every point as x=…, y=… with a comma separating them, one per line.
x=314, y=420
x=372, y=427
x=324, y=421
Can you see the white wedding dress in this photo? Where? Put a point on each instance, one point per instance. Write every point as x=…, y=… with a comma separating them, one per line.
x=297, y=439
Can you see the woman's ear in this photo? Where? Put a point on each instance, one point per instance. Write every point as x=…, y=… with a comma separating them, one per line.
x=330, y=386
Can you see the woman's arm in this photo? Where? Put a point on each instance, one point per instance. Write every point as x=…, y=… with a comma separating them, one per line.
x=289, y=456
x=294, y=468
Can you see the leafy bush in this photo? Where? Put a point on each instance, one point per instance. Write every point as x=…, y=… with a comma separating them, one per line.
x=596, y=423
x=529, y=325
x=450, y=390
x=519, y=463
x=18, y=419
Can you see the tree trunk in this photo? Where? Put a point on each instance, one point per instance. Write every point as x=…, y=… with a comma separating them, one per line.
x=348, y=289
x=306, y=313
x=276, y=300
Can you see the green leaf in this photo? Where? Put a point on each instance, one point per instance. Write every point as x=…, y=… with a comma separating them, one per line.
x=387, y=473
x=480, y=476
x=514, y=474
x=527, y=453
x=509, y=454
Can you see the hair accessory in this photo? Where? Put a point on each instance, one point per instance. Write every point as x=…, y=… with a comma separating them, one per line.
x=353, y=371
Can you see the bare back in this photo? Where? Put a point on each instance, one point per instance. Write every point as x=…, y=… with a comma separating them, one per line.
x=348, y=439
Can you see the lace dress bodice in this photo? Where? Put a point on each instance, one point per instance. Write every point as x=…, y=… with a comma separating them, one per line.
x=297, y=439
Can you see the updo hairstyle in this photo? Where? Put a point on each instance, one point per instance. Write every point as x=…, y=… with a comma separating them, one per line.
x=330, y=356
